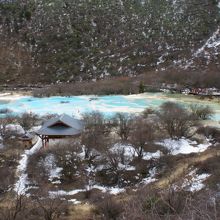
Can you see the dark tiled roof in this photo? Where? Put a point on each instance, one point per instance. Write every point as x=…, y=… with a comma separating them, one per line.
x=61, y=126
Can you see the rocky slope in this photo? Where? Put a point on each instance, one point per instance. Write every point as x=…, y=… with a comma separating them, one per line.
x=64, y=40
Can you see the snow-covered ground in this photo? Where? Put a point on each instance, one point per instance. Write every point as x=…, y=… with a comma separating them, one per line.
x=111, y=190
x=66, y=193
x=209, y=49
x=21, y=185
x=130, y=153
x=151, y=177
x=212, y=42
x=150, y=156
x=104, y=189
x=54, y=172
x=183, y=146
x=16, y=128
x=194, y=182
x=10, y=97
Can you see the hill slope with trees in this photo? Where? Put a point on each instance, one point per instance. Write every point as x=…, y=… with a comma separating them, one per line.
x=63, y=40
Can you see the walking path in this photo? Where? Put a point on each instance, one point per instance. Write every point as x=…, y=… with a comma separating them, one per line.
x=21, y=185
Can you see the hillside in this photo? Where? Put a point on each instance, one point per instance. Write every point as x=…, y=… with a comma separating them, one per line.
x=62, y=40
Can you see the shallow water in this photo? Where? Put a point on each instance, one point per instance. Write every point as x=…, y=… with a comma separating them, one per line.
x=2, y=102
x=109, y=105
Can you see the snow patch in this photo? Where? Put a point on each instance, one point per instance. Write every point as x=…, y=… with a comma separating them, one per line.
x=66, y=193
x=74, y=201
x=21, y=185
x=15, y=128
x=129, y=152
x=53, y=171
x=212, y=42
x=183, y=146
x=151, y=177
x=10, y=96
x=194, y=182
x=111, y=190
x=150, y=156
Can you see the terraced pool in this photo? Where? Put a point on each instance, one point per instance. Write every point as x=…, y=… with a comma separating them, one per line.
x=108, y=105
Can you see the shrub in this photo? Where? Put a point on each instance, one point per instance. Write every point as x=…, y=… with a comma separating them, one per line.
x=201, y=112
x=28, y=120
x=170, y=204
x=147, y=112
x=141, y=134
x=124, y=125
x=110, y=209
x=95, y=133
x=210, y=132
x=176, y=120
x=141, y=87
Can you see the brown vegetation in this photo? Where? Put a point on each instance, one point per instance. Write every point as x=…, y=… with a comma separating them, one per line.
x=169, y=204
x=142, y=133
x=176, y=120
x=20, y=207
x=79, y=171
x=27, y=120
x=124, y=125
x=202, y=112
x=118, y=85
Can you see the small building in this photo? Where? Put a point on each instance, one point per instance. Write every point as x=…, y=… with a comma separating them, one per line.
x=185, y=91
x=63, y=126
x=27, y=140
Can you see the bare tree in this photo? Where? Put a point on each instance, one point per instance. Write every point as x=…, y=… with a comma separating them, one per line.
x=94, y=119
x=27, y=120
x=110, y=208
x=142, y=133
x=114, y=160
x=92, y=139
x=147, y=112
x=124, y=123
x=201, y=112
x=5, y=133
x=95, y=132
x=15, y=210
x=172, y=204
x=8, y=180
x=51, y=208
x=67, y=157
x=176, y=120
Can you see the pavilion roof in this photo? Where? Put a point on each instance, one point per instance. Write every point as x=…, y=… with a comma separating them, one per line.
x=63, y=125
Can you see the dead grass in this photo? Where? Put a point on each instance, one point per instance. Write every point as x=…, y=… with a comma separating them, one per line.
x=81, y=212
x=183, y=166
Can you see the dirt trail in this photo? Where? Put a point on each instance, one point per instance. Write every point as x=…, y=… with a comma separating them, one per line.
x=183, y=166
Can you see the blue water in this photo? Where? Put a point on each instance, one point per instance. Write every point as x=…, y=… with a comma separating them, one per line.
x=75, y=105
x=108, y=105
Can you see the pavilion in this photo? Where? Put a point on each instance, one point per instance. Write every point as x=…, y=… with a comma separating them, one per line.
x=60, y=127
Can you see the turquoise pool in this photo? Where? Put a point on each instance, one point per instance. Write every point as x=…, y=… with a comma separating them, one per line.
x=108, y=105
